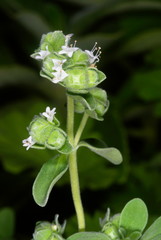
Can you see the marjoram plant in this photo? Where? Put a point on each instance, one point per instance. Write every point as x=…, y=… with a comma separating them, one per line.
x=75, y=70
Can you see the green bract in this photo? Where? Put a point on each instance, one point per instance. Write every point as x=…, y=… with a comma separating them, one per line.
x=48, y=65
x=53, y=40
x=94, y=103
x=79, y=58
x=112, y=231
x=77, y=73
x=81, y=79
x=48, y=134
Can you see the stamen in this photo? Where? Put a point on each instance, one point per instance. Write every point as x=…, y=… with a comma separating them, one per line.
x=98, y=52
x=75, y=42
x=94, y=47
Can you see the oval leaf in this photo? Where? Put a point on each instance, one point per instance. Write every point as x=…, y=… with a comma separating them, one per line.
x=154, y=231
x=113, y=155
x=134, y=216
x=89, y=236
x=49, y=174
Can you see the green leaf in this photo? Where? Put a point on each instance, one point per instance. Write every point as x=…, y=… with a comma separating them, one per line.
x=7, y=223
x=135, y=235
x=49, y=174
x=134, y=216
x=158, y=237
x=154, y=231
x=111, y=154
x=89, y=236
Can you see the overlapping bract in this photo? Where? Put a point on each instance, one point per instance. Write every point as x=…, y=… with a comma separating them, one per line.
x=67, y=64
x=48, y=134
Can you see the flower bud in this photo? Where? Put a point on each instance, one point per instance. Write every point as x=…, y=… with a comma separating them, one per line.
x=110, y=225
x=112, y=231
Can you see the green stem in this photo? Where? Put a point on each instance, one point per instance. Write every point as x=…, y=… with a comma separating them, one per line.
x=81, y=128
x=73, y=168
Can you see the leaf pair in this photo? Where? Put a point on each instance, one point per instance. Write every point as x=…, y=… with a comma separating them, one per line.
x=131, y=224
x=55, y=168
x=134, y=218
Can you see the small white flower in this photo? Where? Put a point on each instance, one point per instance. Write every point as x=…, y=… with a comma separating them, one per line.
x=49, y=114
x=42, y=54
x=58, y=64
x=59, y=76
x=68, y=50
x=93, y=58
x=28, y=142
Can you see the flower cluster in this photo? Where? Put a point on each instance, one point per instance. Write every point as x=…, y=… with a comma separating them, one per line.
x=45, y=132
x=49, y=115
x=68, y=65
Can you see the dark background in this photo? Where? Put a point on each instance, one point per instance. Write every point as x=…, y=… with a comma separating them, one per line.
x=129, y=33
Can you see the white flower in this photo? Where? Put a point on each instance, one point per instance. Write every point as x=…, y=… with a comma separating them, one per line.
x=68, y=50
x=58, y=64
x=42, y=54
x=49, y=114
x=93, y=58
x=28, y=142
x=59, y=76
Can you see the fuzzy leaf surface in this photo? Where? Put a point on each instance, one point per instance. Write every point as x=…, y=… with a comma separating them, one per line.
x=134, y=216
x=154, y=231
x=88, y=236
x=49, y=174
x=113, y=155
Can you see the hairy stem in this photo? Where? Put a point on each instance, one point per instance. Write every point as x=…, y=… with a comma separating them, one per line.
x=80, y=129
x=73, y=168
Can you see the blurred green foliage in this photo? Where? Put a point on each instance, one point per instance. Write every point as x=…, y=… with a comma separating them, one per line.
x=129, y=33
